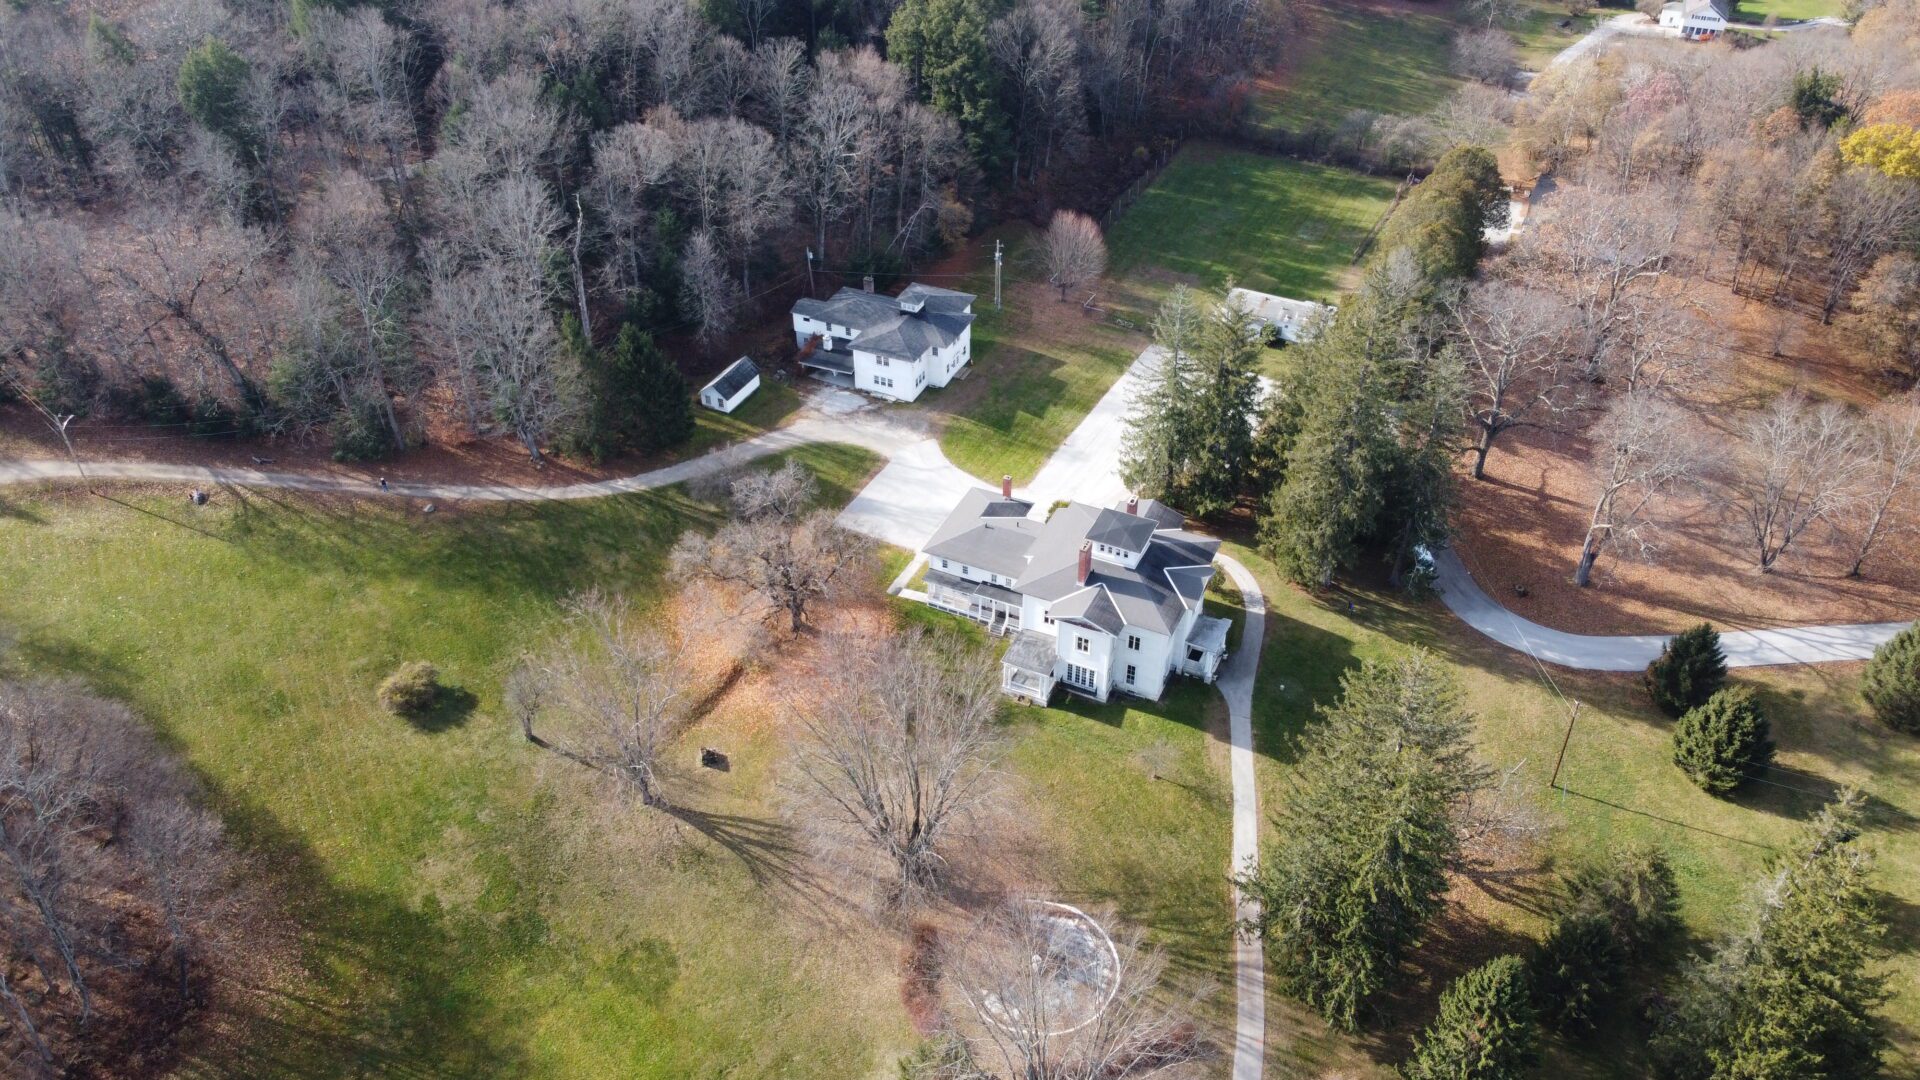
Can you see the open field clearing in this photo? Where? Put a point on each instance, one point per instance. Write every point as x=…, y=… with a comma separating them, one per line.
x=1271, y=224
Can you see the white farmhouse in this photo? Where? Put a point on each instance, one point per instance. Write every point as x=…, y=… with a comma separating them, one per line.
x=890, y=346
x=1096, y=599
x=1296, y=320
x=732, y=386
x=1696, y=20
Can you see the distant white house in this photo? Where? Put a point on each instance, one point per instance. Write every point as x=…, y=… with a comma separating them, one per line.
x=1096, y=599
x=1296, y=320
x=890, y=346
x=732, y=386
x=1696, y=20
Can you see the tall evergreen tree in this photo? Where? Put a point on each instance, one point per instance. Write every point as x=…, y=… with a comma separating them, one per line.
x=1157, y=441
x=213, y=90
x=943, y=45
x=1690, y=667
x=1793, y=996
x=638, y=401
x=1369, y=834
x=1225, y=390
x=1611, y=912
x=1485, y=1030
x=1721, y=742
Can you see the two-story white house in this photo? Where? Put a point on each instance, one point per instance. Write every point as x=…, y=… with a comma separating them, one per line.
x=1696, y=20
x=1098, y=600
x=890, y=346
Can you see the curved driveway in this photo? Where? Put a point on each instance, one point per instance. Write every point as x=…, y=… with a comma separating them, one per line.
x=1744, y=648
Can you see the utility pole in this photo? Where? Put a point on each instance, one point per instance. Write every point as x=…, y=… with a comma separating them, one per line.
x=1564, y=740
x=810, y=291
x=996, y=275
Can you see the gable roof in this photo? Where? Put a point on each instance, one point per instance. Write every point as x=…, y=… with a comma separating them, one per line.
x=1171, y=576
x=729, y=382
x=1092, y=605
x=986, y=531
x=1162, y=515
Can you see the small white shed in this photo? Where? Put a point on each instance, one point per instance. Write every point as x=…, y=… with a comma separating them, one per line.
x=732, y=386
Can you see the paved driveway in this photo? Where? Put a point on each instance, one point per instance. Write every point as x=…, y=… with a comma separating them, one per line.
x=910, y=497
x=1086, y=468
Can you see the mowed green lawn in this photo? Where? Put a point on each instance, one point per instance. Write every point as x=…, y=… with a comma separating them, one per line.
x=1357, y=57
x=1035, y=388
x=1270, y=223
x=1756, y=11
x=452, y=915
x=1622, y=788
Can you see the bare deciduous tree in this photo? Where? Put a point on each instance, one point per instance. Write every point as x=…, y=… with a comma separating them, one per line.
x=1642, y=448
x=1514, y=341
x=621, y=691
x=1890, y=445
x=1601, y=249
x=896, y=754
x=1485, y=55
x=1076, y=252
x=1021, y=988
x=789, y=558
x=1795, y=463
x=709, y=287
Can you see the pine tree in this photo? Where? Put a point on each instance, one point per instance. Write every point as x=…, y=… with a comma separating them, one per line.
x=1791, y=997
x=1612, y=912
x=1688, y=670
x=1720, y=742
x=1892, y=682
x=1157, y=440
x=638, y=401
x=1225, y=388
x=213, y=90
x=1485, y=1030
x=1368, y=837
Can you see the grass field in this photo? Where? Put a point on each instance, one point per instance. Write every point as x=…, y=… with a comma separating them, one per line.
x=451, y=921
x=1270, y=223
x=1361, y=57
x=1756, y=11
x=1622, y=787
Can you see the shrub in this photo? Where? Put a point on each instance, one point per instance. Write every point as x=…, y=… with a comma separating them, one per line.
x=1717, y=743
x=412, y=689
x=1892, y=682
x=360, y=430
x=66, y=382
x=1688, y=670
x=1485, y=1030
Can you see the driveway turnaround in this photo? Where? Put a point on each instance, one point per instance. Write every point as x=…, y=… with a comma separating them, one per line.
x=909, y=498
x=1235, y=681
x=1744, y=648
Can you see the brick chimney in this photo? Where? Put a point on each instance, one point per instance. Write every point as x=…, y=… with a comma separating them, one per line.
x=1133, y=504
x=1006, y=486
x=1086, y=562
x=867, y=283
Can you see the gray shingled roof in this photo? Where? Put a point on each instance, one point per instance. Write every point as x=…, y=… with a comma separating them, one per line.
x=1164, y=516
x=1093, y=606
x=1117, y=528
x=738, y=374
x=1032, y=651
x=988, y=532
x=883, y=328
x=1146, y=595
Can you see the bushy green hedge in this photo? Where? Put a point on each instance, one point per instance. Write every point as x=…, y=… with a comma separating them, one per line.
x=1720, y=743
x=1687, y=671
x=1892, y=682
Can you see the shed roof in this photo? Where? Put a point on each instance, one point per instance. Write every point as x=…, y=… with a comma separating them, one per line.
x=734, y=379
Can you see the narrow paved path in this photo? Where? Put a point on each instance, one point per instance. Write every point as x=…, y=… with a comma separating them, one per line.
x=1235, y=680
x=1744, y=648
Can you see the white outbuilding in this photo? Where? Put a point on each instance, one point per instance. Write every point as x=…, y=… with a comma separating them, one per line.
x=732, y=386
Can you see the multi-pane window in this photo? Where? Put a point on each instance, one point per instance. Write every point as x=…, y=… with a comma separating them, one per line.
x=1133, y=642
x=1080, y=643
x=1130, y=674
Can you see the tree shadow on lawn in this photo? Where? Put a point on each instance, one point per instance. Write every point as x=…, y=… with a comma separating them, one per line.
x=383, y=989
